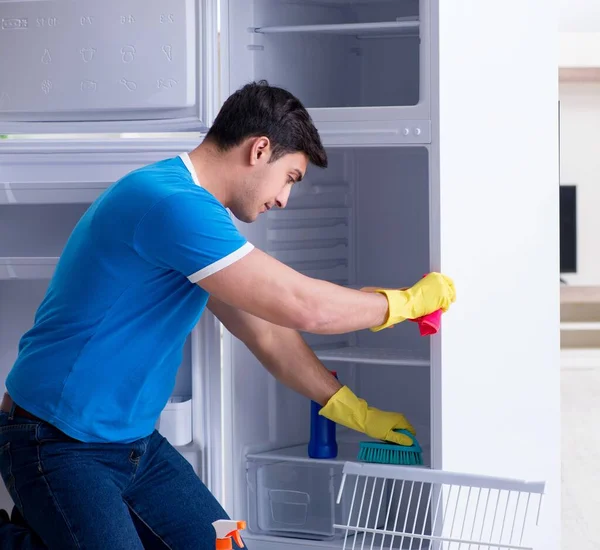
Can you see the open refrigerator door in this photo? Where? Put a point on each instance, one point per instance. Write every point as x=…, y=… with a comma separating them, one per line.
x=84, y=67
x=91, y=92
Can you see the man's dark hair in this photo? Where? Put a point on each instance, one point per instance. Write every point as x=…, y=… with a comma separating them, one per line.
x=258, y=109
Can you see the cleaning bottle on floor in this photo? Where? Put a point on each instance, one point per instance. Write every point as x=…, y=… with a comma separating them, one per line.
x=226, y=530
x=322, y=442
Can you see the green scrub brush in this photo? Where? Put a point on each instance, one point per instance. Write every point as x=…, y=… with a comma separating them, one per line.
x=391, y=453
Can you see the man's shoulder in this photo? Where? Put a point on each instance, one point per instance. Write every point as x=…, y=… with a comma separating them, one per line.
x=163, y=178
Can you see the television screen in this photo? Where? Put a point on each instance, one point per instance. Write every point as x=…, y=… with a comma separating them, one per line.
x=568, y=229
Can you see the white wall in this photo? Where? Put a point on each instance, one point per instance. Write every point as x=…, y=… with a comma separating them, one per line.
x=579, y=26
x=579, y=15
x=580, y=164
x=580, y=387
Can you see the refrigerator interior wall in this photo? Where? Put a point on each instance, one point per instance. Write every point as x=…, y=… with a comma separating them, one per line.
x=363, y=221
x=330, y=54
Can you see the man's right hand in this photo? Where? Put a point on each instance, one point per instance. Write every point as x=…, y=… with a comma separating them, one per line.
x=433, y=292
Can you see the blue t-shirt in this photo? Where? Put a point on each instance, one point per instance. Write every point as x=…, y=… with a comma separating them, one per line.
x=101, y=358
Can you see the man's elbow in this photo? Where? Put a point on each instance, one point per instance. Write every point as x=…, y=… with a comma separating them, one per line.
x=312, y=318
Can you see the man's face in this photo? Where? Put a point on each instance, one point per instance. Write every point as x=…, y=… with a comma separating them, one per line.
x=266, y=185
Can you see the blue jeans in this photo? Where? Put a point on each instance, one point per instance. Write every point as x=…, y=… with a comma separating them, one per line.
x=101, y=496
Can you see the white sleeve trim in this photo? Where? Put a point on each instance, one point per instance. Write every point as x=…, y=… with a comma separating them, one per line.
x=221, y=264
x=185, y=157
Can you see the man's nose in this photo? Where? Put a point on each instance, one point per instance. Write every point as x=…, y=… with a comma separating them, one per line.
x=282, y=199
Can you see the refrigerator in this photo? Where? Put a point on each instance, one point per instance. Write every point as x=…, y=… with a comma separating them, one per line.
x=439, y=120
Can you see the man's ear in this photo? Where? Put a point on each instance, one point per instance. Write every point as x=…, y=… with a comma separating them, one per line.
x=260, y=150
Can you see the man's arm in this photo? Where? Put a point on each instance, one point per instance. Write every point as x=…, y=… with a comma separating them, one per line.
x=282, y=351
x=266, y=288
x=194, y=236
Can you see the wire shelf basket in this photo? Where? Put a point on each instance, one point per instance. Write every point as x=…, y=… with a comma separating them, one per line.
x=401, y=508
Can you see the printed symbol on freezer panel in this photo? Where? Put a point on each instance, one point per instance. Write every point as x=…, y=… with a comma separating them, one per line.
x=42, y=22
x=87, y=54
x=167, y=18
x=46, y=86
x=127, y=19
x=166, y=84
x=14, y=23
x=4, y=98
x=168, y=51
x=129, y=84
x=128, y=53
x=89, y=85
x=46, y=58
x=86, y=20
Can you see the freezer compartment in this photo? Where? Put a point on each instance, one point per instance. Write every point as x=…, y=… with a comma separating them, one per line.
x=33, y=237
x=292, y=495
x=340, y=54
x=294, y=498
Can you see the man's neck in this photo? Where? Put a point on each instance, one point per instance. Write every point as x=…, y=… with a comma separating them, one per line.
x=210, y=165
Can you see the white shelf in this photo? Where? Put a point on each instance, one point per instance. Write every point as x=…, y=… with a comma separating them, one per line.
x=347, y=452
x=27, y=268
x=374, y=356
x=580, y=326
x=49, y=192
x=405, y=26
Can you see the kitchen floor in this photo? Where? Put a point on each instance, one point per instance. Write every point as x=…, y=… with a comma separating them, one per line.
x=580, y=437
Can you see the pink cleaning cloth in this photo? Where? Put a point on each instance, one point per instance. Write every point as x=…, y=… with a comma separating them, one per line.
x=430, y=324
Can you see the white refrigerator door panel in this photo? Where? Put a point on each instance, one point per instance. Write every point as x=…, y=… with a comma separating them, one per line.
x=85, y=66
x=496, y=211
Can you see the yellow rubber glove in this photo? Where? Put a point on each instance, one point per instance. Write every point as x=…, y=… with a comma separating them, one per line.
x=435, y=291
x=348, y=410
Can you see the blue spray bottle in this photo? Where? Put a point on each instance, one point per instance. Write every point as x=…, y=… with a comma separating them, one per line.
x=322, y=442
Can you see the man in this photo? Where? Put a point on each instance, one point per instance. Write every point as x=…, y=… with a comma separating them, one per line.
x=78, y=450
